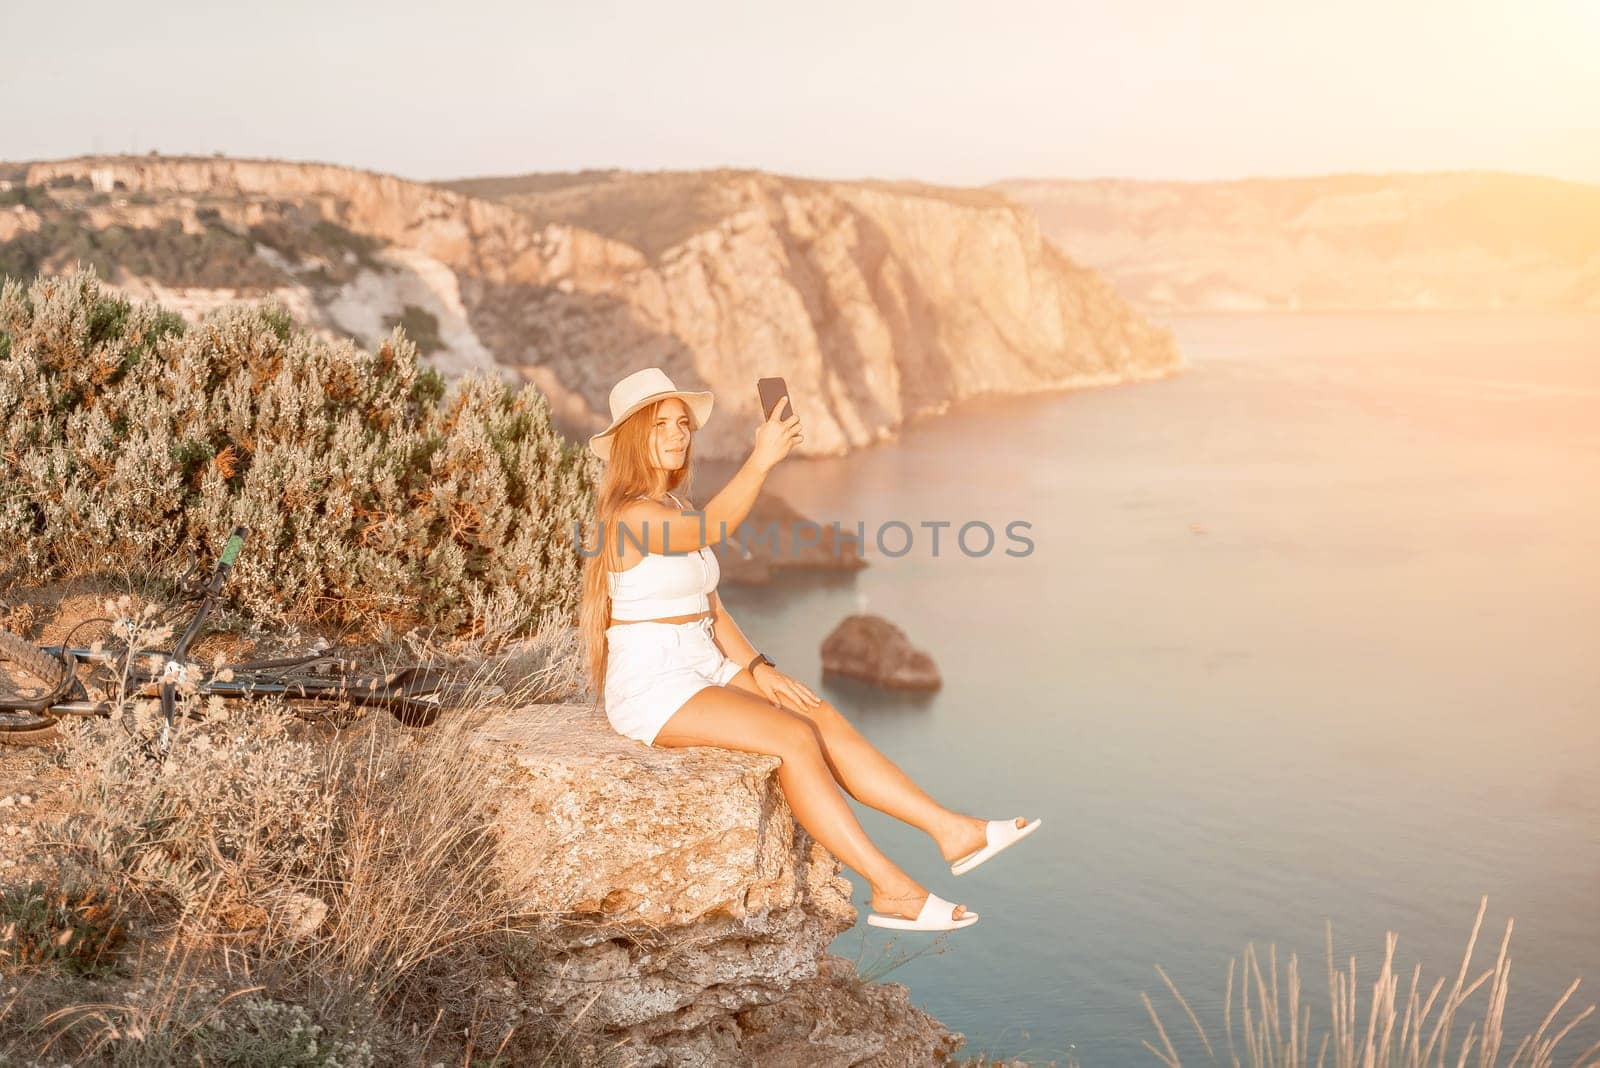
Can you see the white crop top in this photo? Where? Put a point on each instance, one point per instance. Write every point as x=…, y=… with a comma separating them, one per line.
x=664, y=584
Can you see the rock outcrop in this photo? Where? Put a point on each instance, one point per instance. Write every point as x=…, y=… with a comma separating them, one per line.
x=878, y=303
x=1357, y=241
x=690, y=914
x=781, y=539
x=870, y=648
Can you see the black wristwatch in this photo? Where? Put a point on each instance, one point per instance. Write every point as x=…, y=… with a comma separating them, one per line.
x=761, y=658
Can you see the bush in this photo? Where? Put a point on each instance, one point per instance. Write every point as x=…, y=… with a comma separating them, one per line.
x=232, y=817
x=176, y=1018
x=421, y=326
x=25, y=195
x=260, y=1031
x=376, y=494
x=335, y=254
x=215, y=258
x=76, y=928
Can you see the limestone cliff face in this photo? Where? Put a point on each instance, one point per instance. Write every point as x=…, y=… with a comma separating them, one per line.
x=690, y=915
x=1371, y=241
x=429, y=239
x=498, y=242
x=877, y=303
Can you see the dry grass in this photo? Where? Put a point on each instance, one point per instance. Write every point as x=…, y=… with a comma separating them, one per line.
x=1414, y=1043
x=296, y=894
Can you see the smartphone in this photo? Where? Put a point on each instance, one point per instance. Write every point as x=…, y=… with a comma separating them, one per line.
x=773, y=390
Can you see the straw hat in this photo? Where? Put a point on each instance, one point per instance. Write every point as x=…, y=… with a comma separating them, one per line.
x=639, y=389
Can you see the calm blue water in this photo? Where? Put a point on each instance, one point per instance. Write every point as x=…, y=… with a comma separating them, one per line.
x=1308, y=635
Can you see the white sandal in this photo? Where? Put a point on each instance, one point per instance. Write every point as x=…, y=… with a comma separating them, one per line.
x=1000, y=835
x=936, y=914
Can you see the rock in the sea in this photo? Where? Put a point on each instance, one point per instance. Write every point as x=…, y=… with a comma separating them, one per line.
x=690, y=913
x=870, y=648
x=776, y=537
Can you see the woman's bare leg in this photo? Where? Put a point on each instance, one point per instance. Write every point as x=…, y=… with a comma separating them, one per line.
x=731, y=719
x=875, y=780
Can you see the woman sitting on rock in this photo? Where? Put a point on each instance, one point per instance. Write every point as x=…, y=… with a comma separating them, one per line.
x=674, y=669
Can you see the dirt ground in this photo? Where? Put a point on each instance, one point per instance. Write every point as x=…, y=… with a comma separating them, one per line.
x=31, y=794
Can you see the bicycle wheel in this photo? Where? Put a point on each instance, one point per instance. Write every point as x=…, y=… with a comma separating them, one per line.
x=26, y=674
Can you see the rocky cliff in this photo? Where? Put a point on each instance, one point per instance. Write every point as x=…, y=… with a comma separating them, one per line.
x=689, y=913
x=879, y=303
x=1411, y=241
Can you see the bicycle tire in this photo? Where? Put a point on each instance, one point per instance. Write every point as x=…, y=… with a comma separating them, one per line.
x=20, y=728
x=26, y=728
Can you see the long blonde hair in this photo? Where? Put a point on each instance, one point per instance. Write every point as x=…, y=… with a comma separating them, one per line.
x=628, y=473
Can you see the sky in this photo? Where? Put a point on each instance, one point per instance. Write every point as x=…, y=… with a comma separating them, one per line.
x=960, y=93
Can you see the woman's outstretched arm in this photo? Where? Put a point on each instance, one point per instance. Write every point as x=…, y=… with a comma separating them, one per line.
x=659, y=528
x=656, y=528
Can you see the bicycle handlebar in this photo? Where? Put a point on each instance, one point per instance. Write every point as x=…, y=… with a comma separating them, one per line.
x=230, y=553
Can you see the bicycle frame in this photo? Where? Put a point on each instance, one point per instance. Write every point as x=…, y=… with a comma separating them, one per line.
x=410, y=693
x=149, y=678
x=213, y=591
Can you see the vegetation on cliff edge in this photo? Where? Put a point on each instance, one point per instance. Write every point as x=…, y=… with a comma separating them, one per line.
x=376, y=493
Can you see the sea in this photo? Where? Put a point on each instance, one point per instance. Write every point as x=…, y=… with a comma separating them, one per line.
x=1300, y=643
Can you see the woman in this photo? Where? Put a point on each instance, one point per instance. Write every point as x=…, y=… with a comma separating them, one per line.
x=674, y=669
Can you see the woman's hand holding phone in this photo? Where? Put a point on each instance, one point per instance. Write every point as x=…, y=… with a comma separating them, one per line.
x=775, y=437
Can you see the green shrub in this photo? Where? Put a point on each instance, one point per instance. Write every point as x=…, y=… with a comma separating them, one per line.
x=375, y=493
x=333, y=236
x=215, y=258
x=421, y=326
x=76, y=928
x=26, y=195
x=258, y=1032
x=176, y=1017
x=338, y=254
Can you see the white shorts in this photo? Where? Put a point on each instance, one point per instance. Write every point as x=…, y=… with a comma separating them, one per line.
x=653, y=668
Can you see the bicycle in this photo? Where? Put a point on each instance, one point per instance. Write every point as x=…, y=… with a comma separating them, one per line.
x=77, y=681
